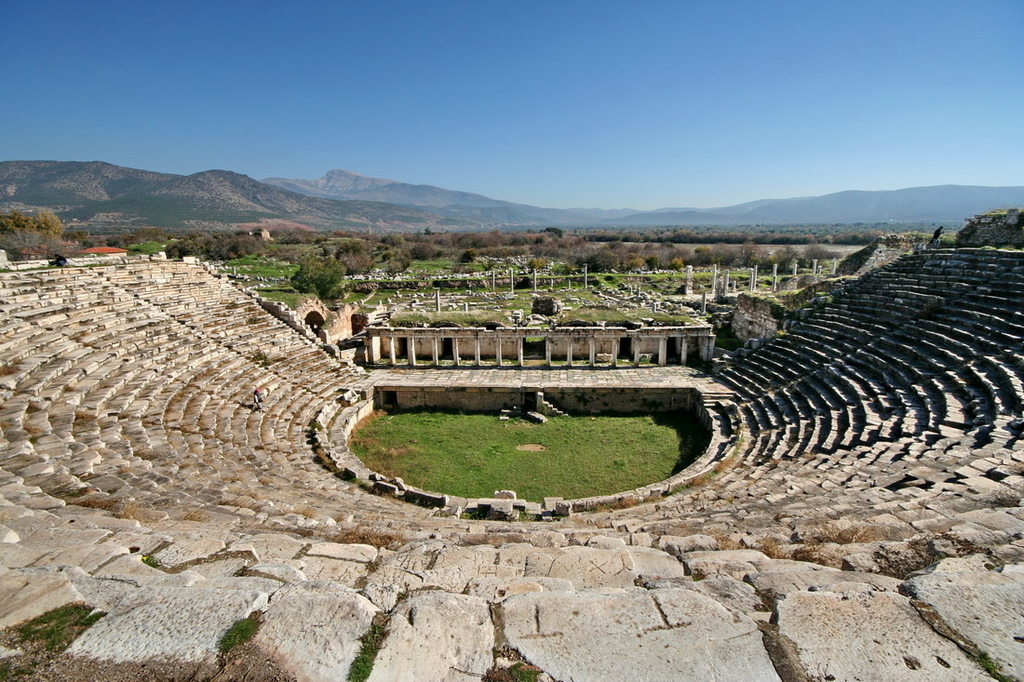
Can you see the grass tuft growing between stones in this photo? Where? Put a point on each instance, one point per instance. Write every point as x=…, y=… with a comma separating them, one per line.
x=993, y=669
x=517, y=672
x=241, y=632
x=55, y=630
x=371, y=643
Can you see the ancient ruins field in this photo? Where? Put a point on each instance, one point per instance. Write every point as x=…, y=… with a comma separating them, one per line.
x=856, y=514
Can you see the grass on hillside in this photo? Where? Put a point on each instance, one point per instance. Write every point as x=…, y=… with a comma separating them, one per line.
x=472, y=455
x=439, y=266
x=147, y=248
x=262, y=266
x=289, y=297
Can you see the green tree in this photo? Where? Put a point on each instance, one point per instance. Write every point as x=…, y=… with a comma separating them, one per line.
x=48, y=223
x=14, y=222
x=44, y=222
x=323, y=277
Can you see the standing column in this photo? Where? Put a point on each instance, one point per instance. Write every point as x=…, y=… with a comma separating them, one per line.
x=684, y=350
x=547, y=350
x=615, y=352
x=391, y=349
x=689, y=280
x=585, y=284
x=535, y=280
x=476, y=350
x=775, y=276
x=437, y=300
x=410, y=350
x=435, y=351
x=593, y=352
x=519, y=350
x=511, y=282
x=455, y=351
x=636, y=351
x=753, y=279
x=814, y=267
x=704, y=303
x=835, y=266
x=497, y=342
x=794, y=268
x=714, y=281
x=494, y=280
x=727, y=276
x=662, y=351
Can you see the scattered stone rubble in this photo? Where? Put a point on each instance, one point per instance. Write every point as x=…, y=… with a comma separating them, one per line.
x=864, y=524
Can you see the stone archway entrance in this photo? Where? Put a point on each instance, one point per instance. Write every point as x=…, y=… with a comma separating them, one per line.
x=314, y=320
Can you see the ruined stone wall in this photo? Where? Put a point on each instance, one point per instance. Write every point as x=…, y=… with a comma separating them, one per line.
x=883, y=251
x=622, y=401
x=572, y=400
x=998, y=228
x=756, y=317
x=337, y=324
x=468, y=399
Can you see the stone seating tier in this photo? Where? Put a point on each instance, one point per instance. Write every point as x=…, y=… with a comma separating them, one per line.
x=893, y=429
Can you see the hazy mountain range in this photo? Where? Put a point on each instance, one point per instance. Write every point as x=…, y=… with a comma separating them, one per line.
x=917, y=204
x=102, y=193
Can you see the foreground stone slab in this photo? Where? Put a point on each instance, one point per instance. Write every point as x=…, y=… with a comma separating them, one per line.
x=668, y=634
x=437, y=636
x=172, y=624
x=784, y=582
x=585, y=567
x=986, y=608
x=498, y=589
x=27, y=594
x=312, y=630
x=874, y=636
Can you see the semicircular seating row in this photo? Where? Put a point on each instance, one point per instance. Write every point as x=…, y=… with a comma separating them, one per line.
x=901, y=390
x=137, y=380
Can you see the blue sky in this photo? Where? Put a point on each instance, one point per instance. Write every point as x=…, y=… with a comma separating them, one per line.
x=554, y=103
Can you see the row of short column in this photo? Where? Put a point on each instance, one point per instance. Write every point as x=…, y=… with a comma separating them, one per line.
x=705, y=346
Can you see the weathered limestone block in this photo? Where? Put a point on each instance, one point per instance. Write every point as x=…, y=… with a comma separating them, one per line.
x=728, y=591
x=498, y=589
x=271, y=547
x=346, y=573
x=585, y=567
x=784, y=582
x=660, y=635
x=286, y=573
x=653, y=564
x=677, y=545
x=605, y=542
x=734, y=563
x=187, y=549
x=874, y=636
x=30, y=593
x=354, y=552
x=984, y=607
x=178, y=624
x=88, y=557
x=437, y=636
x=312, y=630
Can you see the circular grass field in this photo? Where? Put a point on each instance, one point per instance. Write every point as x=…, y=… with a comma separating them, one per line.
x=472, y=455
